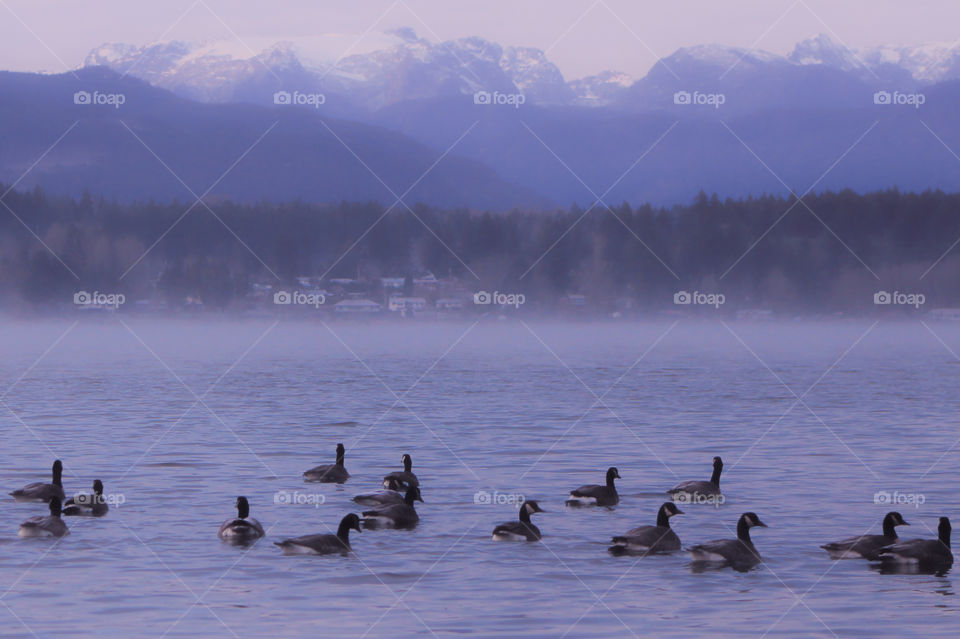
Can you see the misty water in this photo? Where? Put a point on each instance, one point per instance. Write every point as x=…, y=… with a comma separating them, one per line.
x=178, y=418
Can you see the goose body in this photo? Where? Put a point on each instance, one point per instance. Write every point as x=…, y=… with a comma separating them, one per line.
x=597, y=495
x=690, y=491
x=43, y=492
x=402, y=515
x=335, y=473
x=922, y=552
x=46, y=526
x=645, y=540
x=521, y=530
x=242, y=529
x=323, y=544
x=87, y=505
x=867, y=546
x=382, y=498
x=740, y=553
x=401, y=480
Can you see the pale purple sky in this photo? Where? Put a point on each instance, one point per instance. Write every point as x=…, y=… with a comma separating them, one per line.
x=581, y=36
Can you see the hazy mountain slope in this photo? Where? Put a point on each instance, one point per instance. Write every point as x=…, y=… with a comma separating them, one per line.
x=298, y=158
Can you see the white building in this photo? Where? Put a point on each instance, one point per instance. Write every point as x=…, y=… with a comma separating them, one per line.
x=406, y=304
x=356, y=307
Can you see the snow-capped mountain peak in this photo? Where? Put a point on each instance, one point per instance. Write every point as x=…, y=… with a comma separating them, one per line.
x=822, y=49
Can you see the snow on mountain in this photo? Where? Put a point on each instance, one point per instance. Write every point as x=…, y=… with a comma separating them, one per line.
x=602, y=88
x=398, y=65
x=405, y=67
x=822, y=49
x=925, y=63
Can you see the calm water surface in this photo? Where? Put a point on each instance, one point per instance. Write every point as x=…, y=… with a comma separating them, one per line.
x=180, y=417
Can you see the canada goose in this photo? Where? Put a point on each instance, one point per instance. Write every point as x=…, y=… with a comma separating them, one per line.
x=39, y=491
x=46, y=526
x=405, y=478
x=87, y=505
x=924, y=552
x=329, y=473
x=396, y=515
x=740, y=553
x=645, y=540
x=323, y=544
x=694, y=490
x=242, y=529
x=867, y=546
x=522, y=530
x=594, y=495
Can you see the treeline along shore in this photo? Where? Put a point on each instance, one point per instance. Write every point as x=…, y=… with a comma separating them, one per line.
x=830, y=252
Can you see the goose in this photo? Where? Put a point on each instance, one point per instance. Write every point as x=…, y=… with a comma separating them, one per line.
x=46, y=526
x=396, y=515
x=695, y=490
x=645, y=540
x=405, y=478
x=740, y=553
x=329, y=473
x=924, y=552
x=323, y=544
x=594, y=495
x=87, y=505
x=242, y=529
x=867, y=546
x=522, y=530
x=384, y=497
x=39, y=491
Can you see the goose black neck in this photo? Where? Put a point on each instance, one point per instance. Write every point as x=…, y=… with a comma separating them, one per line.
x=343, y=532
x=57, y=477
x=663, y=519
x=243, y=509
x=524, y=515
x=610, y=478
x=410, y=497
x=715, y=477
x=889, y=527
x=743, y=531
x=340, y=456
x=944, y=533
x=407, y=464
x=55, y=507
